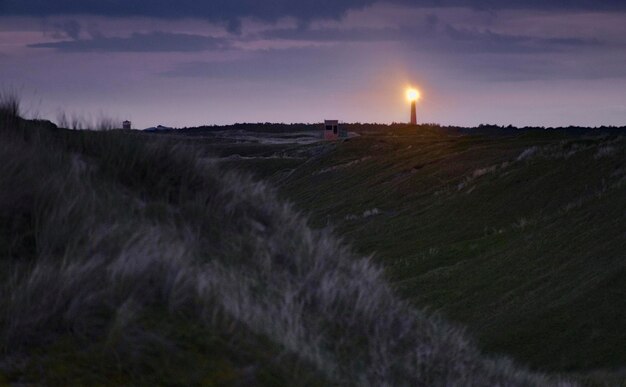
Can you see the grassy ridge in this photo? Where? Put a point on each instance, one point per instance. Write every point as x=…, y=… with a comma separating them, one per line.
x=520, y=236
x=517, y=233
x=132, y=261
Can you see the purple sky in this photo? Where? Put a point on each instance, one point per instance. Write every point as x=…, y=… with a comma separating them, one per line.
x=549, y=63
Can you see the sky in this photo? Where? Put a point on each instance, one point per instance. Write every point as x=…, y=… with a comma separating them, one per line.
x=190, y=62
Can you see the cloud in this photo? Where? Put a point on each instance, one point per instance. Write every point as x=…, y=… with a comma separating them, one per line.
x=334, y=34
x=434, y=35
x=67, y=29
x=140, y=42
x=420, y=27
x=487, y=41
x=232, y=10
x=214, y=10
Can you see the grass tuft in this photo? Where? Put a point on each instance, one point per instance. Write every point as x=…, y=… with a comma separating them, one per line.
x=10, y=105
x=77, y=121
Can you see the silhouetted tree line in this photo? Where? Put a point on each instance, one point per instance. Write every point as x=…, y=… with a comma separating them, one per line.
x=370, y=127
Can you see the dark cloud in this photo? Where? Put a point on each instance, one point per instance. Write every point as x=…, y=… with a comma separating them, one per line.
x=434, y=35
x=67, y=29
x=495, y=63
x=420, y=29
x=487, y=41
x=335, y=34
x=234, y=26
x=140, y=42
x=231, y=10
x=215, y=10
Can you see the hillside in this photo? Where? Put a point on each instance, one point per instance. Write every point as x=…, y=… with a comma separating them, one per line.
x=133, y=260
x=518, y=234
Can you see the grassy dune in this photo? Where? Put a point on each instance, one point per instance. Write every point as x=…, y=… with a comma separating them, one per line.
x=130, y=260
x=516, y=234
x=519, y=236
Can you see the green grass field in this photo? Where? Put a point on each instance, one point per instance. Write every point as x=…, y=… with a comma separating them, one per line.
x=521, y=236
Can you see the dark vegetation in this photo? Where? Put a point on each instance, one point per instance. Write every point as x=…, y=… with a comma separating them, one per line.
x=522, y=238
x=130, y=259
x=483, y=129
x=519, y=234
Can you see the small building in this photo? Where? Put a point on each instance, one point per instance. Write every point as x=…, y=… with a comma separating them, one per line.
x=126, y=125
x=332, y=130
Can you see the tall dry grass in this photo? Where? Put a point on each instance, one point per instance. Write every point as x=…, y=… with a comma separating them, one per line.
x=10, y=108
x=76, y=121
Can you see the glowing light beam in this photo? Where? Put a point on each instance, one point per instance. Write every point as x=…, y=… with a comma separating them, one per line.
x=413, y=95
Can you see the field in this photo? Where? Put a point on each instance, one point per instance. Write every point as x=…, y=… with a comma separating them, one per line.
x=517, y=234
x=152, y=258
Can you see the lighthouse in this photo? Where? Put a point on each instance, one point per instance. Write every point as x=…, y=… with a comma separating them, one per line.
x=413, y=95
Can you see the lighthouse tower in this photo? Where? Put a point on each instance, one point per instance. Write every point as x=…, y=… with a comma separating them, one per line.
x=413, y=95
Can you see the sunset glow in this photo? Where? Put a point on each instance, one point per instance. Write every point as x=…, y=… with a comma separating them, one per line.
x=353, y=60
